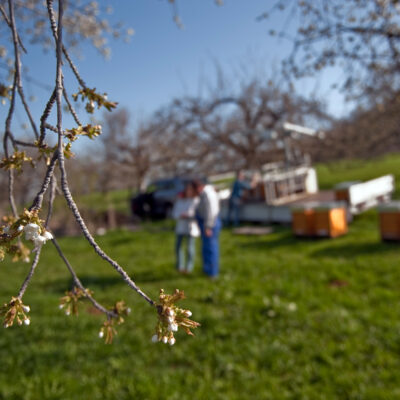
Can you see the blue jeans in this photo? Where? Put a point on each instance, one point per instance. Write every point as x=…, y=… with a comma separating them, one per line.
x=233, y=210
x=210, y=248
x=180, y=253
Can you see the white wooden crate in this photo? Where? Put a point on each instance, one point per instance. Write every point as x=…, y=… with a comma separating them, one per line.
x=365, y=195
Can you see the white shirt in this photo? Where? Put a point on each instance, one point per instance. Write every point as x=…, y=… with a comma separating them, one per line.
x=209, y=206
x=186, y=225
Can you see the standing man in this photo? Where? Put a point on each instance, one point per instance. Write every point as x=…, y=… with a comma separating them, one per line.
x=210, y=226
x=235, y=201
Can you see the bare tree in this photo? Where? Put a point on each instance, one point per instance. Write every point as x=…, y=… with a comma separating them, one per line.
x=367, y=132
x=231, y=130
x=137, y=157
x=361, y=37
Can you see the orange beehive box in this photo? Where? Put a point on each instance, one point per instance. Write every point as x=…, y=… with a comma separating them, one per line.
x=303, y=223
x=389, y=220
x=330, y=220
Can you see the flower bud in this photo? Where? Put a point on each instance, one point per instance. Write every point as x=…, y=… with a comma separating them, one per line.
x=165, y=339
x=39, y=240
x=31, y=228
x=31, y=231
x=101, y=334
x=26, y=308
x=187, y=313
x=170, y=312
x=27, y=321
x=48, y=236
x=173, y=327
x=171, y=341
x=154, y=339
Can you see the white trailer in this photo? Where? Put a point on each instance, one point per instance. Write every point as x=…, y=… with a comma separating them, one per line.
x=276, y=206
x=362, y=196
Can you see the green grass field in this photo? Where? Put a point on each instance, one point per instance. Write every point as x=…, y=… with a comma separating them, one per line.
x=287, y=319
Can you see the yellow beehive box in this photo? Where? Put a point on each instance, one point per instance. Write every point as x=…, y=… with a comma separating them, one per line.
x=330, y=220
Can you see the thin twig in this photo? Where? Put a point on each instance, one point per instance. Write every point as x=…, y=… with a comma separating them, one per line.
x=17, y=65
x=37, y=202
x=30, y=274
x=45, y=115
x=3, y=12
x=27, y=109
x=24, y=144
x=7, y=132
x=71, y=108
x=8, y=136
x=73, y=68
x=52, y=196
x=50, y=127
x=79, y=284
x=11, y=192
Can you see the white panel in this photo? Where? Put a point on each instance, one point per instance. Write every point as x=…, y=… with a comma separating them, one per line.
x=370, y=190
x=311, y=181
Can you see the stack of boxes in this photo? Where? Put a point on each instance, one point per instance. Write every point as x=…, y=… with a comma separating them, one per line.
x=319, y=219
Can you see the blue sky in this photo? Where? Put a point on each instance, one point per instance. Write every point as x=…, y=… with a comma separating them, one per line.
x=162, y=61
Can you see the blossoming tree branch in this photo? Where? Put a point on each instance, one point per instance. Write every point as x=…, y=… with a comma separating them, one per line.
x=30, y=225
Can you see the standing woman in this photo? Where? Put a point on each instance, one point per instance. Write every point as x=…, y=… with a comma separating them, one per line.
x=186, y=229
x=210, y=226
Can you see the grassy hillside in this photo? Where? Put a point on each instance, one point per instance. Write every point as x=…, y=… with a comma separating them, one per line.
x=351, y=170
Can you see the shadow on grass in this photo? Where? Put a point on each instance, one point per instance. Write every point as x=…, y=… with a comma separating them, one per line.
x=89, y=281
x=351, y=250
x=145, y=276
x=286, y=239
x=94, y=282
x=155, y=275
